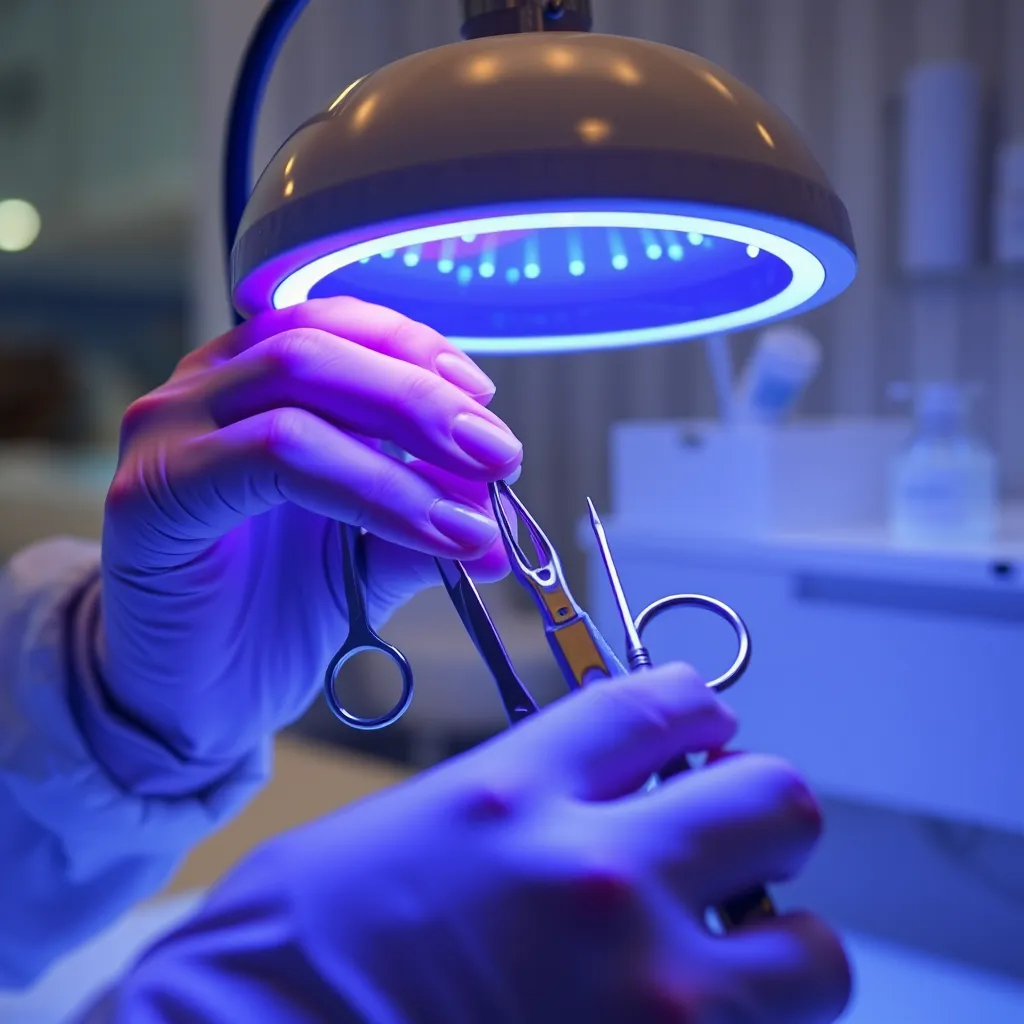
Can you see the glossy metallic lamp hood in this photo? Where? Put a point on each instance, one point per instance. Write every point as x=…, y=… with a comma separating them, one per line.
x=546, y=189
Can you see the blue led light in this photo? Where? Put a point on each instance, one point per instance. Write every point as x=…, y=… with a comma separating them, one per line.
x=593, y=292
x=652, y=247
x=411, y=257
x=695, y=238
x=673, y=246
x=618, y=247
x=577, y=264
x=387, y=254
x=531, y=269
x=487, y=266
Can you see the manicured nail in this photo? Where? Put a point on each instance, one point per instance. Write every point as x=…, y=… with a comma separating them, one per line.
x=465, y=374
x=485, y=441
x=514, y=476
x=462, y=524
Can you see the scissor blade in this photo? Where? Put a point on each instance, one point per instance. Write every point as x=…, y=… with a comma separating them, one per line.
x=481, y=629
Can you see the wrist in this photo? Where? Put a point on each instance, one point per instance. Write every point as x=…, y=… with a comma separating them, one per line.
x=134, y=751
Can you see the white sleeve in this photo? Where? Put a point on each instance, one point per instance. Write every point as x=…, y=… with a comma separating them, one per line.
x=77, y=845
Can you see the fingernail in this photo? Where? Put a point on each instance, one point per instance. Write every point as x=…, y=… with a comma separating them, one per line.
x=462, y=524
x=485, y=441
x=514, y=476
x=465, y=374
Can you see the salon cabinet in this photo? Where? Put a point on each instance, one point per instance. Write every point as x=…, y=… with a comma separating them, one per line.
x=890, y=677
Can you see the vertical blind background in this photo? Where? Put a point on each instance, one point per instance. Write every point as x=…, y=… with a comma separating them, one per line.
x=836, y=68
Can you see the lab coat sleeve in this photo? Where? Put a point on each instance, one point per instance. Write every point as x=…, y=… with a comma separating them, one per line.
x=82, y=836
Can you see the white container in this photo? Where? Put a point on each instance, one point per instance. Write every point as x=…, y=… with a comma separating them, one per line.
x=940, y=167
x=707, y=478
x=783, y=362
x=943, y=485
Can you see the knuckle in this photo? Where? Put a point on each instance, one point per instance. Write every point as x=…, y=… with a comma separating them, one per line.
x=386, y=488
x=140, y=413
x=789, y=791
x=291, y=318
x=628, y=703
x=346, y=305
x=283, y=433
x=414, y=341
x=291, y=353
x=122, y=492
x=601, y=892
x=420, y=392
x=485, y=802
x=819, y=938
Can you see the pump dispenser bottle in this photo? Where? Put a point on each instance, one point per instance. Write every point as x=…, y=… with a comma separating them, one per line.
x=943, y=487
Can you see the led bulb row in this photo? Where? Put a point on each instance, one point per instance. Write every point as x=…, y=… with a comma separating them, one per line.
x=656, y=245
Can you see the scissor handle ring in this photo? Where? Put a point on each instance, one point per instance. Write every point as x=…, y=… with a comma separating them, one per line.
x=374, y=644
x=719, y=608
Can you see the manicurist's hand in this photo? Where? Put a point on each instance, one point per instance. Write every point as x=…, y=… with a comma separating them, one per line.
x=220, y=540
x=527, y=882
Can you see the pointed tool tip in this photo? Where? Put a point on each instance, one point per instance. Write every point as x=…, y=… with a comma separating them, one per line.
x=593, y=511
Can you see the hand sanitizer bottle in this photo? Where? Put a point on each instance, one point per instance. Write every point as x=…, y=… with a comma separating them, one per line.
x=943, y=488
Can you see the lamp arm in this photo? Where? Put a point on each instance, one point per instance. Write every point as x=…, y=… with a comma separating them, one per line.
x=261, y=52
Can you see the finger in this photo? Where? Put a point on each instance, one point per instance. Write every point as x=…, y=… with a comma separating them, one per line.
x=398, y=573
x=724, y=829
x=472, y=491
x=493, y=565
x=290, y=455
x=372, y=327
x=794, y=969
x=605, y=740
x=368, y=393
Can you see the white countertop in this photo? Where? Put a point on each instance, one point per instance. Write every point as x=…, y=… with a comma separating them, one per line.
x=865, y=552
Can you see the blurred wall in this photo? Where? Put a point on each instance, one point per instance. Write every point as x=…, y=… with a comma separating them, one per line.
x=96, y=110
x=95, y=115
x=836, y=67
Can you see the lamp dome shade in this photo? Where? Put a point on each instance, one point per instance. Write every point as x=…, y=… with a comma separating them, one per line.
x=548, y=192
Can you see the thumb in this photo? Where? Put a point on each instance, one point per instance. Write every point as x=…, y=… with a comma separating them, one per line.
x=606, y=740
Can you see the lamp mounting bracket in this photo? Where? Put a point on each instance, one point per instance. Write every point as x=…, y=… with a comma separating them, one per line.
x=506, y=17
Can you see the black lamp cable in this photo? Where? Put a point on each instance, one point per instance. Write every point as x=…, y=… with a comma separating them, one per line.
x=243, y=118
